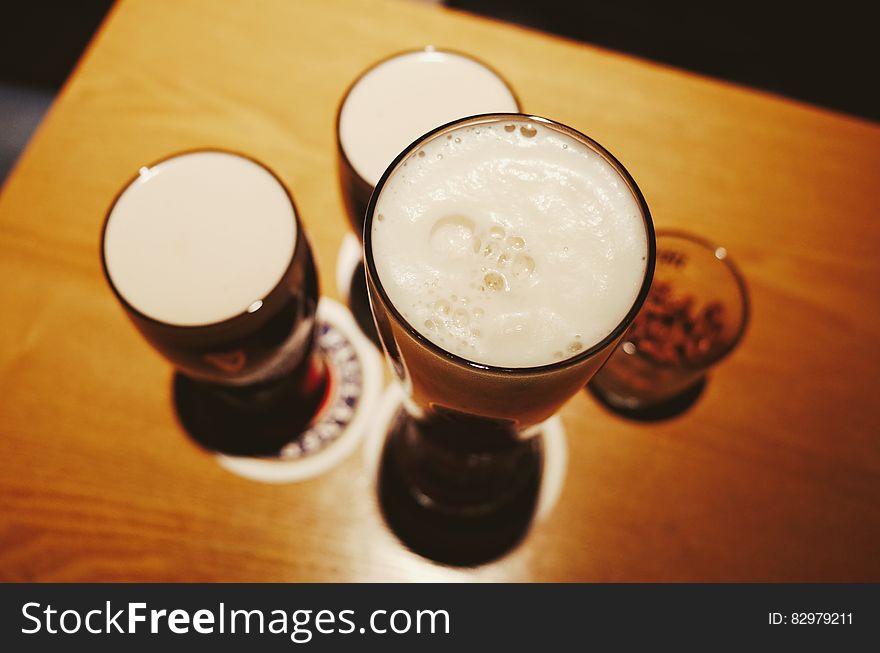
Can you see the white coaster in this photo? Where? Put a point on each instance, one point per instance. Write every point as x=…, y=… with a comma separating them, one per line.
x=356, y=378
x=349, y=257
x=555, y=449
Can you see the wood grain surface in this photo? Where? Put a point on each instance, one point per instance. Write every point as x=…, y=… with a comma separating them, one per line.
x=774, y=474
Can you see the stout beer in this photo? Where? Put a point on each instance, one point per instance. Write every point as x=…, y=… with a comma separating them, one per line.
x=207, y=255
x=398, y=100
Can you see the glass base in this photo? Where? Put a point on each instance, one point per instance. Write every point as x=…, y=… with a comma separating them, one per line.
x=456, y=506
x=254, y=420
x=640, y=411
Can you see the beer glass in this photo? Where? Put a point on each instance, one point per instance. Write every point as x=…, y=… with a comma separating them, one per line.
x=694, y=316
x=465, y=442
x=398, y=99
x=206, y=253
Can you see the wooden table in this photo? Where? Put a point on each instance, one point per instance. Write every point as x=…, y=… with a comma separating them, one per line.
x=774, y=474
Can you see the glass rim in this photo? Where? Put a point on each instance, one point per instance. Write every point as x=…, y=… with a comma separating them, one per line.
x=581, y=356
x=739, y=280
x=195, y=327
x=395, y=55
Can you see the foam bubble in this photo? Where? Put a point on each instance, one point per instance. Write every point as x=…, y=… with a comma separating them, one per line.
x=495, y=281
x=442, y=307
x=523, y=266
x=452, y=235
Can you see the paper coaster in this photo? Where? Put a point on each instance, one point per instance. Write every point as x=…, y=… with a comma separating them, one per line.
x=356, y=379
x=555, y=449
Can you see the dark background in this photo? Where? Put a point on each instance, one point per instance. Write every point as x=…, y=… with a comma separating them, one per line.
x=822, y=52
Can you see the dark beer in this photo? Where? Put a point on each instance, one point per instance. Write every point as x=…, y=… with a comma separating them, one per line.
x=207, y=255
x=397, y=100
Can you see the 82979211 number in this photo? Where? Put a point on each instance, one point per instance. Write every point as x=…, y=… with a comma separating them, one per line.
x=811, y=618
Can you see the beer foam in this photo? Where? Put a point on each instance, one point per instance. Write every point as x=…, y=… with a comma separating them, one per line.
x=406, y=96
x=200, y=238
x=509, y=243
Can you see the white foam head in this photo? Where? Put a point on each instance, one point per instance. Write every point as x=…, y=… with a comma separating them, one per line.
x=509, y=243
x=406, y=96
x=199, y=238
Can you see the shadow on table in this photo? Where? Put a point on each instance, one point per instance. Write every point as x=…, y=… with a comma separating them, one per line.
x=359, y=305
x=250, y=421
x=455, y=540
x=667, y=410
